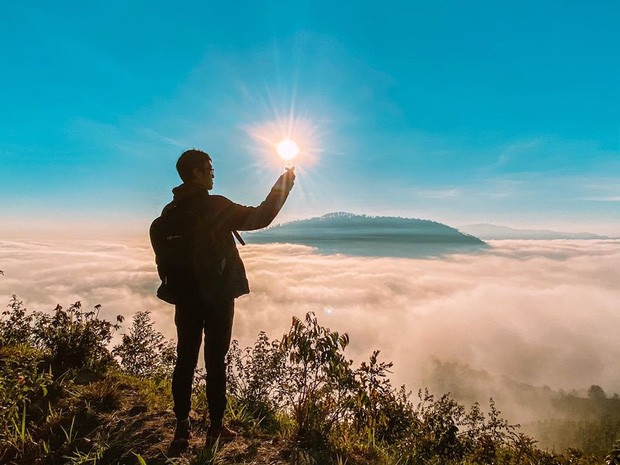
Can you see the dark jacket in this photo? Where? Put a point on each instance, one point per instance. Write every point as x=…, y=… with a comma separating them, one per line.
x=218, y=269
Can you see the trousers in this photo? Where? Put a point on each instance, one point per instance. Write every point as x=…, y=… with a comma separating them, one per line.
x=193, y=319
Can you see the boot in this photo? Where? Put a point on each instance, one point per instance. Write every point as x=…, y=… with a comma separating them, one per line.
x=219, y=433
x=180, y=441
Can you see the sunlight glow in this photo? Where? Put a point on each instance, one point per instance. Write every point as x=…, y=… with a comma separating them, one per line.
x=286, y=139
x=285, y=136
x=288, y=149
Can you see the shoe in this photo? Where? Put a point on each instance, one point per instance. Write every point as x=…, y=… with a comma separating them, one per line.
x=221, y=434
x=180, y=441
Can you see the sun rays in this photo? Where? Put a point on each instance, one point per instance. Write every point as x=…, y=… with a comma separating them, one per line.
x=286, y=139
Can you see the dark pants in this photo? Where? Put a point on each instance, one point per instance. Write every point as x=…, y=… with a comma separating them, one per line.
x=191, y=319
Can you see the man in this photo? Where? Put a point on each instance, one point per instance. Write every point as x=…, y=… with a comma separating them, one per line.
x=205, y=303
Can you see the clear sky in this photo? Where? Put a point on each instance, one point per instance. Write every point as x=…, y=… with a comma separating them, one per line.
x=461, y=112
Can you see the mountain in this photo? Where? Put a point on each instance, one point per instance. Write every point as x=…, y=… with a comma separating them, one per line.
x=492, y=231
x=363, y=235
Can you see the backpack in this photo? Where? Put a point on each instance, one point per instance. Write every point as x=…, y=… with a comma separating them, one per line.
x=173, y=240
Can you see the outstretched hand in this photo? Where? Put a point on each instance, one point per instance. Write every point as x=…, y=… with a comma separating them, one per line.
x=286, y=181
x=289, y=175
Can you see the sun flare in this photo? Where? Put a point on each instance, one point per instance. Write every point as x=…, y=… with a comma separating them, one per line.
x=287, y=139
x=287, y=149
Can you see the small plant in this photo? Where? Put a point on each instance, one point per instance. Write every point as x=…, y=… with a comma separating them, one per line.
x=91, y=457
x=140, y=459
x=145, y=352
x=15, y=324
x=70, y=433
x=208, y=455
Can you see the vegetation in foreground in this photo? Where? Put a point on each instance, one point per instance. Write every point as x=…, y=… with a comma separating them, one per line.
x=67, y=397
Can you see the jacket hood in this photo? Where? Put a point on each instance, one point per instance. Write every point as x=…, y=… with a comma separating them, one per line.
x=186, y=190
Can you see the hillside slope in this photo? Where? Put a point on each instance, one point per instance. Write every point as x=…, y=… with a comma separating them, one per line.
x=496, y=232
x=363, y=235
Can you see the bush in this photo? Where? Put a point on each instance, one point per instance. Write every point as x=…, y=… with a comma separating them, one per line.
x=16, y=328
x=340, y=412
x=253, y=379
x=145, y=352
x=378, y=407
x=75, y=339
x=317, y=380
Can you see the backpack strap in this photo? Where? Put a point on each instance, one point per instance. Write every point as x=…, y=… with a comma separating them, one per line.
x=239, y=238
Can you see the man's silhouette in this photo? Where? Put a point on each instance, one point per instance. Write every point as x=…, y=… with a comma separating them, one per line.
x=206, y=302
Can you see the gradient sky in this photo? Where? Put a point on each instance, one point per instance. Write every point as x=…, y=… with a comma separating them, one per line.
x=461, y=112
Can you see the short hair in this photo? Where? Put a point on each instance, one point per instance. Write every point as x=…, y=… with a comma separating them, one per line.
x=190, y=160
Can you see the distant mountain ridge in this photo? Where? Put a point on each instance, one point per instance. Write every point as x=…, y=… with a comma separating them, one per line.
x=364, y=235
x=492, y=231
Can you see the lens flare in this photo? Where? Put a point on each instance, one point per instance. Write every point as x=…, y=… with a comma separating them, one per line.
x=287, y=149
x=286, y=139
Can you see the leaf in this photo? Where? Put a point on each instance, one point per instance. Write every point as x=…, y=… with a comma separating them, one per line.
x=141, y=461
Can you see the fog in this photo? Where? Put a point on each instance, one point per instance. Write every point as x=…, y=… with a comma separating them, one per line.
x=539, y=313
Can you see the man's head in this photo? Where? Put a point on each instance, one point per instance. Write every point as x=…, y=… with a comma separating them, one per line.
x=195, y=166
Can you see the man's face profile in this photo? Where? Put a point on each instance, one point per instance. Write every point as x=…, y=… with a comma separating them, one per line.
x=204, y=175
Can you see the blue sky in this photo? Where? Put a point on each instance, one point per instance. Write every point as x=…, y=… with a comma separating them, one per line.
x=461, y=112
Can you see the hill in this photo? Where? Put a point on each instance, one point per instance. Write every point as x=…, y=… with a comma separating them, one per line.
x=363, y=235
x=495, y=232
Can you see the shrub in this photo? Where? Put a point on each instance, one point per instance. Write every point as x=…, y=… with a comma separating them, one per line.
x=253, y=378
x=75, y=339
x=317, y=382
x=145, y=352
x=445, y=432
x=378, y=407
x=15, y=325
x=339, y=411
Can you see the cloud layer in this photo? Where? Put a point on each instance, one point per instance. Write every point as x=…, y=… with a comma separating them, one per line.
x=539, y=312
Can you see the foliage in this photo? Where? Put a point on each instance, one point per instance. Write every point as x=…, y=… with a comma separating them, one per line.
x=444, y=429
x=49, y=400
x=74, y=338
x=144, y=351
x=23, y=384
x=339, y=411
x=253, y=376
x=378, y=407
x=16, y=328
x=300, y=389
x=317, y=378
x=590, y=423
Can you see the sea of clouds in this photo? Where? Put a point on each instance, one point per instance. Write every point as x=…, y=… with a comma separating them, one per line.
x=522, y=314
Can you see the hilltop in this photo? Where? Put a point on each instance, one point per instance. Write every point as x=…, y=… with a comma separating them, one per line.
x=363, y=235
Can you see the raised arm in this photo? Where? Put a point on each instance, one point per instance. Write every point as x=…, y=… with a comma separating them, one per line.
x=242, y=218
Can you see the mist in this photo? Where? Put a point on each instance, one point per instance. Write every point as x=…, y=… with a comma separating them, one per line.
x=518, y=317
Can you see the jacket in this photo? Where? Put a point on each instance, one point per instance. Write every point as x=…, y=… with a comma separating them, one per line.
x=218, y=271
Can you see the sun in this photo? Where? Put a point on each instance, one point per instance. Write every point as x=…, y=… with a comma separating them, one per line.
x=287, y=149
x=287, y=140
